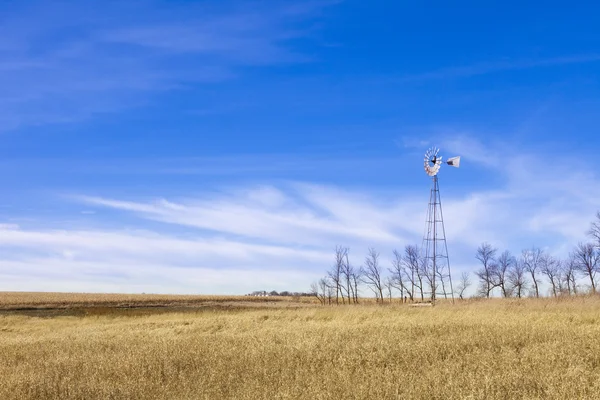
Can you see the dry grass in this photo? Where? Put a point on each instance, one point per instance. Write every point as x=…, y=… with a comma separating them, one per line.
x=532, y=349
x=41, y=300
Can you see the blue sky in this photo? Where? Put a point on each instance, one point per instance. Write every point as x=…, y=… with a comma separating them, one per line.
x=229, y=146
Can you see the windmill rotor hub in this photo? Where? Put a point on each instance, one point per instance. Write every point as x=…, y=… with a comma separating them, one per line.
x=433, y=161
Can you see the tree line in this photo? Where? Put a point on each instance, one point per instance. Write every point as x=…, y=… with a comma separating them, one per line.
x=275, y=293
x=500, y=271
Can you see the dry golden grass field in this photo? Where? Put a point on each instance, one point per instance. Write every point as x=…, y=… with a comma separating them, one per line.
x=20, y=300
x=498, y=349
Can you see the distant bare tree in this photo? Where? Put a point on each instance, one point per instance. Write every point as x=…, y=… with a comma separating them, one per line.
x=356, y=279
x=315, y=290
x=372, y=274
x=441, y=279
x=426, y=274
x=335, y=274
x=503, y=266
x=517, y=279
x=595, y=230
x=389, y=286
x=329, y=289
x=587, y=261
x=569, y=274
x=322, y=290
x=398, y=274
x=532, y=262
x=560, y=282
x=485, y=254
x=346, y=279
x=551, y=267
x=463, y=284
x=412, y=266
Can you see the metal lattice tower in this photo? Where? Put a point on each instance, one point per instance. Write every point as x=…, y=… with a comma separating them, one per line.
x=434, y=250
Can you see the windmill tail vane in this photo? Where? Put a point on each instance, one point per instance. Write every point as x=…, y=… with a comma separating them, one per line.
x=454, y=162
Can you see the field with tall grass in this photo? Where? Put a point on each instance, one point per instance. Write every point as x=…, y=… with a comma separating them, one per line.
x=40, y=300
x=496, y=349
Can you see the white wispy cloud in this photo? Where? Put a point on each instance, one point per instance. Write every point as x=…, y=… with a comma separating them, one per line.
x=490, y=67
x=146, y=261
x=305, y=216
x=144, y=245
x=64, y=275
x=117, y=56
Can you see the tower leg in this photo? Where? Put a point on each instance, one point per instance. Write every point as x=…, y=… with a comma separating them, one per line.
x=434, y=253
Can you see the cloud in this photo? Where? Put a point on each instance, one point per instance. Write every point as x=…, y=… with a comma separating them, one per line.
x=250, y=37
x=147, y=261
x=65, y=62
x=145, y=245
x=62, y=275
x=309, y=215
x=485, y=68
x=8, y=226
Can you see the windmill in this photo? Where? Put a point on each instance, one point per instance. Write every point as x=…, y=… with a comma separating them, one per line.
x=434, y=251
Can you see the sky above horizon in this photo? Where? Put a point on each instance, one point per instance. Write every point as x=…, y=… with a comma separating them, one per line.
x=228, y=146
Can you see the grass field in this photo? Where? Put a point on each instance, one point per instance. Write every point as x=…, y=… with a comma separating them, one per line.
x=20, y=300
x=498, y=349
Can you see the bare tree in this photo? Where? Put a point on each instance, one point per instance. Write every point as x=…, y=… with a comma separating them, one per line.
x=319, y=290
x=517, y=279
x=587, y=261
x=441, y=279
x=389, y=286
x=485, y=254
x=463, y=284
x=314, y=291
x=595, y=230
x=356, y=279
x=398, y=273
x=551, y=267
x=412, y=266
x=347, y=278
x=330, y=292
x=569, y=274
x=532, y=263
x=372, y=274
x=426, y=275
x=335, y=275
x=500, y=273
